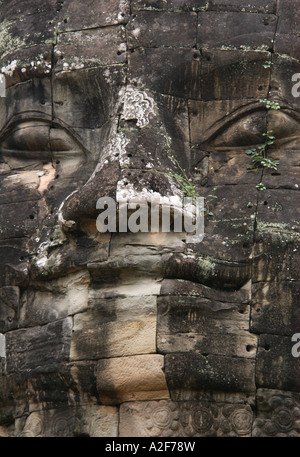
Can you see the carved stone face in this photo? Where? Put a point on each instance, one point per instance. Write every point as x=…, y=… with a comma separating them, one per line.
x=163, y=336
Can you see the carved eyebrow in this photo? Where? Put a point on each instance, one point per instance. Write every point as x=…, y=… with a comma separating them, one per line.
x=226, y=121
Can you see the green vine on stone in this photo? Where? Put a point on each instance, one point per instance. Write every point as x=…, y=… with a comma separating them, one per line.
x=259, y=156
x=187, y=187
x=269, y=104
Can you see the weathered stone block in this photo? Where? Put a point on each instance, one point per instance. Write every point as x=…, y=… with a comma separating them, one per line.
x=74, y=95
x=36, y=24
x=72, y=257
x=113, y=339
x=287, y=48
x=114, y=309
x=274, y=212
x=188, y=374
x=76, y=50
x=126, y=269
x=169, y=5
x=246, y=68
x=100, y=13
x=13, y=9
x=13, y=398
x=181, y=288
x=276, y=253
x=59, y=386
x=236, y=30
x=78, y=111
x=9, y=307
x=147, y=243
x=142, y=286
x=28, y=64
x=22, y=185
x=208, y=270
x=287, y=175
x=276, y=368
x=57, y=300
x=173, y=71
x=277, y=237
x=251, y=6
x=14, y=262
x=199, y=325
x=18, y=219
x=35, y=94
x=273, y=307
x=38, y=348
x=288, y=17
x=139, y=377
x=163, y=31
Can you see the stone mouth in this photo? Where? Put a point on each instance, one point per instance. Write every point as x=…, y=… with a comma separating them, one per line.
x=211, y=272
x=135, y=264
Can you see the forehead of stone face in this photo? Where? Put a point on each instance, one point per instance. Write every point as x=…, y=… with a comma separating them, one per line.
x=87, y=50
x=98, y=33
x=85, y=31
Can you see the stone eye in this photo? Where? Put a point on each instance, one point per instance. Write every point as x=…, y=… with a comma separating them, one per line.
x=39, y=140
x=242, y=132
x=248, y=130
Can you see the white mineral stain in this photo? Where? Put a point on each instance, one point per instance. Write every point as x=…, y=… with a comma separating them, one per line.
x=139, y=106
x=10, y=68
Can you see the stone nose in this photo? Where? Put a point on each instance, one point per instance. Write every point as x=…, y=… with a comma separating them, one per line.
x=81, y=204
x=121, y=185
x=136, y=162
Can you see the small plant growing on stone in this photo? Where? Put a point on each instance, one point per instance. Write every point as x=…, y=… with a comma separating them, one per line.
x=259, y=156
x=270, y=105
x=185, y=183
x=187, y=187
x=267, y=64
x=260, y=186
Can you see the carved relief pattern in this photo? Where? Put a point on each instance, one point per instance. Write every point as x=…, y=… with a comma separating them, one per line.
x=283, y=417
x=91, y=421
x=34, y=426
x=65, y=424
x=166, y=418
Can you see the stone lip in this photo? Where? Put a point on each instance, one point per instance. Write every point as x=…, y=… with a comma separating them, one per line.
x=220, y=273
x=201, y=269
